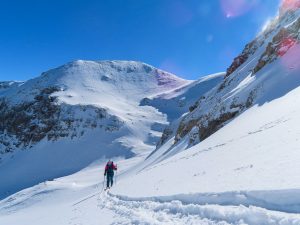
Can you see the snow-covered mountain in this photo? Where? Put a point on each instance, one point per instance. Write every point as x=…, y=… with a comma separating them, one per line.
x=62, y=121
x=55, y=103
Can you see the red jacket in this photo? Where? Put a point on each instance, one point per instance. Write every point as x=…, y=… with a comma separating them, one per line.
x=109, y=168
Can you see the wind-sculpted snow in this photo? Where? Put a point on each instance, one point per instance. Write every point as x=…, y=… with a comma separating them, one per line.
x=277, y=200
x=155, y=211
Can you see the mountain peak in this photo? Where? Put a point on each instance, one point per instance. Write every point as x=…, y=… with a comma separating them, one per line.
x=113, y=72
x=81, y=79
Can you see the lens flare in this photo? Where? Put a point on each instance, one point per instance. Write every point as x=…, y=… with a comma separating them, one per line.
x=179, y=13
x=234, y=8
x=291, y=59
x=172, y=66
x=285, y=45
x=288, y=5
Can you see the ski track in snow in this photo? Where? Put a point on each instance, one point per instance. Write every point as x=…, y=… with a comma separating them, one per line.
x=144, y=212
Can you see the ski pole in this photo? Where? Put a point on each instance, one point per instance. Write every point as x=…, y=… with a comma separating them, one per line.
x=83, y=200
x=116, y=175
x=88, y=197
x=103, y=183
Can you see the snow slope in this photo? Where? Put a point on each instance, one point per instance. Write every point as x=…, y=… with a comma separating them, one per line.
x=62, y=121
x=79, y=199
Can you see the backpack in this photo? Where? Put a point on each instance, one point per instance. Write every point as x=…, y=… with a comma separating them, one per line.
x=110, y=167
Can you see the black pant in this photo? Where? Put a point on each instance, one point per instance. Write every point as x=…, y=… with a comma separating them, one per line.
x=109, y=180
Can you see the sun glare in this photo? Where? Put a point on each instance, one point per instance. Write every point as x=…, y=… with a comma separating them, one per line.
x=235, y=8
x=290, y=5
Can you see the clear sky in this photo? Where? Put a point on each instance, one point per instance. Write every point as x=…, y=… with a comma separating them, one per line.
x=190, y=38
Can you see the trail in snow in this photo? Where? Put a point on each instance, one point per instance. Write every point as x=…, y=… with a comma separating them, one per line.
x=175, y=212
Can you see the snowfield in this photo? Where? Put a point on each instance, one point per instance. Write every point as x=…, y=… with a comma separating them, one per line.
x=78, y=199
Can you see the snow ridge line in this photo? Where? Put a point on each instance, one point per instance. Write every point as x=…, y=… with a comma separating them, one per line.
x=287, y=201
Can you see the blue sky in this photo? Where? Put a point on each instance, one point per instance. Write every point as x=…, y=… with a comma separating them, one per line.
x=190, y=38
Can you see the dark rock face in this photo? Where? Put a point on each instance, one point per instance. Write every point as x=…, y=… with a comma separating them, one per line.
x=215, y=124
x=206, y=125
x=280, y=44
x=167, y=133
x=243, y=57
x=23, y=125
x=210, y=113
x=184, y=129
x=28, y=122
